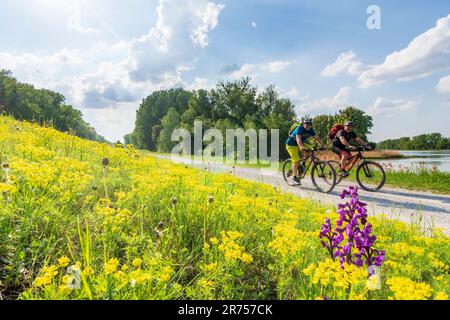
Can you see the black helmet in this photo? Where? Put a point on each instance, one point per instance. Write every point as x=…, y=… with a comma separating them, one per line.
x=307, y=121
x=349, y=123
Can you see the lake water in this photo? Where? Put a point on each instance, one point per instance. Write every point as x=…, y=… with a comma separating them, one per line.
x=415, y=159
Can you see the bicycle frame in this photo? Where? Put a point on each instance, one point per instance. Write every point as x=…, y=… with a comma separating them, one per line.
x=311, y=157
x=354, y=159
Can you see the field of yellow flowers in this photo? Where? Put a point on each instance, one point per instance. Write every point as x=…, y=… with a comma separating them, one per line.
x=83, y=220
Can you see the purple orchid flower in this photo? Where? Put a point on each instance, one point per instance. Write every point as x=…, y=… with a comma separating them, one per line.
x=359, y=247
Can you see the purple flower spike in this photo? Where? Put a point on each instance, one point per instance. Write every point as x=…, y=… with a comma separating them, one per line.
x=359, y=247
x=343, y=194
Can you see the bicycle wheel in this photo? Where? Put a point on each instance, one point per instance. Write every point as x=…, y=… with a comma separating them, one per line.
x=370, y=176
x=287, y=173
x=337, y=168
x=323, y=176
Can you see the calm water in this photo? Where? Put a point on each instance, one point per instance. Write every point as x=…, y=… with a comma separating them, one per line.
x=415, y=159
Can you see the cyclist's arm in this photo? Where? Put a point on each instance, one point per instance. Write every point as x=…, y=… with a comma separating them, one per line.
x=319, y=140
x=299, y=142
x=344, y=142
x=362, y=142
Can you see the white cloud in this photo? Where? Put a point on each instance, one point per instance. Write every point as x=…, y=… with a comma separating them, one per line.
x=199, y=83
x=426, y=54
x=444, y=84
x=383, y=106
x=173, y=45
x=207, y=19
x=276, y=66
x=45, y=70
x=246, y=70
x=74, y=21
x=306, y=104
x=254, y=70
x=346, y=62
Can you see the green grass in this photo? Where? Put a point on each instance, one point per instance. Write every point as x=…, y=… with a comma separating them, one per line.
x=423, y=180
x=431, y=181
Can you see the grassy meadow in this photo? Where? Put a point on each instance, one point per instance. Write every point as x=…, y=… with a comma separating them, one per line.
x=83, y=220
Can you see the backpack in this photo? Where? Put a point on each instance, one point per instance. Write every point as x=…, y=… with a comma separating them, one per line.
x=334, y=130
x=293, y=127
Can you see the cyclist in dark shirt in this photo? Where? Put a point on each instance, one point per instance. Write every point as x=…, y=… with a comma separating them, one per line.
x=342, y=147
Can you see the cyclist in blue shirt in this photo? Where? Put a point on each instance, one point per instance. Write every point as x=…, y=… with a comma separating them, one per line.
x=298, y=141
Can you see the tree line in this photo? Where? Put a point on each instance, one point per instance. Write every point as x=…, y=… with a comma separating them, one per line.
x=230, y=105
x=432, y=141
x=24, y=102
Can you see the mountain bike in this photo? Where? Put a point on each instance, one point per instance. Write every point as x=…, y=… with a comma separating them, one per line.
x=370, y=175
x=323, y=175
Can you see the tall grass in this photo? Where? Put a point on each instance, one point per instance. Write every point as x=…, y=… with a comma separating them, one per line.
x=418, y=178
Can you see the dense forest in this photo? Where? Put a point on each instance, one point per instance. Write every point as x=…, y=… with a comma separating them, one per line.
x=230, y=105
x=25, y=102
x=432, y=141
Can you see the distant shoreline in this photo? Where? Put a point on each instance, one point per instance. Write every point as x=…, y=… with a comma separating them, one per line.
x=376, y=154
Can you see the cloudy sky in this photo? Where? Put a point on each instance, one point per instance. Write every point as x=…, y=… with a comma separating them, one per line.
x=106, y=55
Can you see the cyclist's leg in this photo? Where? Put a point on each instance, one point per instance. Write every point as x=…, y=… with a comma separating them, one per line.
x=295, y=158
x=343, y=154
x=346, y=155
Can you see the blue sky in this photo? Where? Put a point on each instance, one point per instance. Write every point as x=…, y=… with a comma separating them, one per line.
x=105, y=55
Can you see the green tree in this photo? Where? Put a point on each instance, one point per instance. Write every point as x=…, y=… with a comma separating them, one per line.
x=234, y=100
x=152, y=110
x=23, y=101
x=168, y=124
x=432, y=141
x=322, y=125
x=362, y=123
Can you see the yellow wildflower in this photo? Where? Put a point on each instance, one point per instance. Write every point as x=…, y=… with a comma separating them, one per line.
x=88, y=271
x=137, y=262
x=212, y=267
x=329, y=272
x=246, y=258
x=205, y=284
x=441, y=296
x=63, y=261
x=67, y=279
x=406, y=289
x=111, y=266
x=355, y=296
x=166, y=274
x=42, y=281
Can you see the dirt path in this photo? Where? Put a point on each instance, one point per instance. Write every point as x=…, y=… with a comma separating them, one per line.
x=405, y=205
